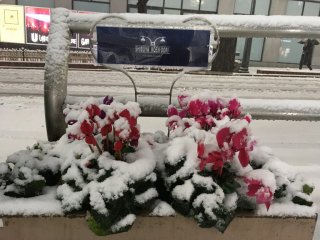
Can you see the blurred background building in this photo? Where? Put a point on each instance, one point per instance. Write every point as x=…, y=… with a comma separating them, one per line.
x=264, y=51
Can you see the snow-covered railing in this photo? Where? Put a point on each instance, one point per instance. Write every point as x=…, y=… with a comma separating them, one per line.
x=65, y=22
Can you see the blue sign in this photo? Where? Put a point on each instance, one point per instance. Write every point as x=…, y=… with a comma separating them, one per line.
x=153, y=47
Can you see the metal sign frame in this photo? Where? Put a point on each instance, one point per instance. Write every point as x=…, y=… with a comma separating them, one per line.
x=189, y=23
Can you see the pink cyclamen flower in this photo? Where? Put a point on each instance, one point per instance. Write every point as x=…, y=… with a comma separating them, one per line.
x=183, y=100
x=234, y=108
x=172, y=111
x=214, y=106
x=215, y=158
x=262, y=193
x=195, y=107
x=237, y=142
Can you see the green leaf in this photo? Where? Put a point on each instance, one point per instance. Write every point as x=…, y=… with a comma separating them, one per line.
x=307, y=189
x=128, y=149
x=281, y=191
x=301, y=201
x=34, y=188
x=95, y=227
x=230, y=187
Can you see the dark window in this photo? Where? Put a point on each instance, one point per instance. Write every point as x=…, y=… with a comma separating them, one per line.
x=92, y=6
x=37, y=3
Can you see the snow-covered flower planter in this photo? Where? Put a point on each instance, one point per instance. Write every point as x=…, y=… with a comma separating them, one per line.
x=210, y=168
x=160, y=228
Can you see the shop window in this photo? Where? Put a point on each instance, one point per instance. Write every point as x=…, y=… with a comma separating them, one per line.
x=290, y=50
x=177, y=6
x=311, y=9
x=173, y=4
x=209, y=5
x=243, y=7
x=191, y=4
x=256, y=48
x=294, y=8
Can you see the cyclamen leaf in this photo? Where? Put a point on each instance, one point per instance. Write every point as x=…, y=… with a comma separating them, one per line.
x=307, y=189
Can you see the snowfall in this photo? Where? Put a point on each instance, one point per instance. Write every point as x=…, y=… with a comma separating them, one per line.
x=22, y=123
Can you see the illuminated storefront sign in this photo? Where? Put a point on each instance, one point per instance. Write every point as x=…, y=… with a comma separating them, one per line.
x=84, y=38
x=37, y=25
x=11, y=24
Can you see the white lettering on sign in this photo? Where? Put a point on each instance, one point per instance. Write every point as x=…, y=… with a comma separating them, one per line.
x=85, y=41
x=152, y=49
x=35, y=37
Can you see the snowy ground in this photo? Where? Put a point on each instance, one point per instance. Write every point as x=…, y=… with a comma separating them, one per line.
x=298, y=143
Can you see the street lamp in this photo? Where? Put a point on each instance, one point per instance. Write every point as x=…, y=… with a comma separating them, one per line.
x=244, y=68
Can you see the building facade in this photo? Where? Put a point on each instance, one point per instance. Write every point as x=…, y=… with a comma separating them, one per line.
x=264, y=51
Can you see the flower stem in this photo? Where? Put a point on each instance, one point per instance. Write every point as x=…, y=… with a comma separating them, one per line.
x=91, y=148
x=99, y=149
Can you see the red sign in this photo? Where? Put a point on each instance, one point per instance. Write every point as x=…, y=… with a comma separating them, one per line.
x=37, y=25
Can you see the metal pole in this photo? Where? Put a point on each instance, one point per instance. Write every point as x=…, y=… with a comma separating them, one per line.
x=56, y=73
x=244, y=68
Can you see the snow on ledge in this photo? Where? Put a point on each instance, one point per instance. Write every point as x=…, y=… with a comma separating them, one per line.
x=45, y=205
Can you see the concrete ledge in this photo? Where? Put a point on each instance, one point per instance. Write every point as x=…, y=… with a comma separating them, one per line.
x=159, y=228
x=289, y=72
x=19, y=64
